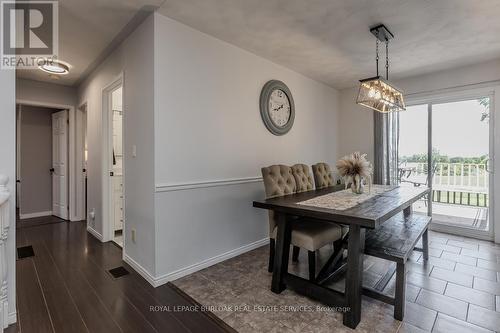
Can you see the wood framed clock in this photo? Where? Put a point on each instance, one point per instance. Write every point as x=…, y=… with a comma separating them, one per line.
x=277, y=108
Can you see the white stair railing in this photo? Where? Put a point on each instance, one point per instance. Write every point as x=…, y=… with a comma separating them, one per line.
x=4, y=231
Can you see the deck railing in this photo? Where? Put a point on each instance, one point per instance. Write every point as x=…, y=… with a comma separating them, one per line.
x=4, y=230
x=455, y=183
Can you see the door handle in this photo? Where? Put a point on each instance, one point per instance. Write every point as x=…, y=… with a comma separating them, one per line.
x=52, y=170
x=487, y=166
x=111, y=173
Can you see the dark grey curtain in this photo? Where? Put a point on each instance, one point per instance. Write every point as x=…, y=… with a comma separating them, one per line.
x=385, y=163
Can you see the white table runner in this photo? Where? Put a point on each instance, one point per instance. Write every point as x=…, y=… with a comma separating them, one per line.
x=345, y=199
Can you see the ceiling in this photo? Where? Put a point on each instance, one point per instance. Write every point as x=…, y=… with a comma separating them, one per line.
x=327, y=40
x=86, y=29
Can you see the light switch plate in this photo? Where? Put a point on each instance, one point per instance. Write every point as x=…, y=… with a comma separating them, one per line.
x=134, y=151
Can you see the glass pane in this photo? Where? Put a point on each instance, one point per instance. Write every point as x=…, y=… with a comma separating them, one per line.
x=460, y=140
x=413, y=148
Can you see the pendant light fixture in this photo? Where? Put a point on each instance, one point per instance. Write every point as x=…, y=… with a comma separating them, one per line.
x=376, y=92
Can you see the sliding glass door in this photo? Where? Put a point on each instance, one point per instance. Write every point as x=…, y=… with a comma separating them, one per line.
x=454, y=136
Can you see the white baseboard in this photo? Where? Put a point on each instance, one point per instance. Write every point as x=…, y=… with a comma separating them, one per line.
x=139, y=269
x=36, y=214
x=158, y=281
x=12, y=318
x=94, y=233
x=208, y=262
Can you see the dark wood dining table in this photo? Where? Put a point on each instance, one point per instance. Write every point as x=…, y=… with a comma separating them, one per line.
x=368, y=214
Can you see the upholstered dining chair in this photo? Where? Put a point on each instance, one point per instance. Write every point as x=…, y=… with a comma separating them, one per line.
x=322, y=175
x=311, y=235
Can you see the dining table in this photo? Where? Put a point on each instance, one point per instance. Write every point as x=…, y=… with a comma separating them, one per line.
x=359, y=216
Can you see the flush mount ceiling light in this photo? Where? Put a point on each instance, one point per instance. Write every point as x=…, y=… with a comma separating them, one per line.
x=54, y=67
x=376, y=92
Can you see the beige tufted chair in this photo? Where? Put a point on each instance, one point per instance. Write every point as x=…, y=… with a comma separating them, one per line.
x=303, y=177
x=280, y=180
x=322, y=175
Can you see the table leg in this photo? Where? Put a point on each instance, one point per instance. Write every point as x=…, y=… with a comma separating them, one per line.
x=282, y=252
x=425, y=244
x=408, y=211
x=354, y=278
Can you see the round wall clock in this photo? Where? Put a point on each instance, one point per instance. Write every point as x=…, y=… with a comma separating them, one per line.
x=276, y=107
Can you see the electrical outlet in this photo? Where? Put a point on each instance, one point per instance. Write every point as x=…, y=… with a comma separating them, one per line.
x=132, y=235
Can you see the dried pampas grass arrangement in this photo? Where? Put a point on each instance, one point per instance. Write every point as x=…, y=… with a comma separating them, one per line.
x=355, y=169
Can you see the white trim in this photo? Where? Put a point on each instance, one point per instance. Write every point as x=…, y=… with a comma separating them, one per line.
x=106, y=156
x=12, y=318
x=94, y=233
x=139, y=269
x=206, y=183
x=36, y=214
x=158, y=281
x=209, y=262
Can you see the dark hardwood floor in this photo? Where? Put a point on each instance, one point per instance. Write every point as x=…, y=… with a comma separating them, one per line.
x=66, y=287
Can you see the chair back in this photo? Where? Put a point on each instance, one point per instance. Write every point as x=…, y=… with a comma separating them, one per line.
x=322, y=175
x=278, y=181
x=303, y=177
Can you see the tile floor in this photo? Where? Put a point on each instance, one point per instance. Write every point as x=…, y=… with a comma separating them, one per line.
x=458, y=290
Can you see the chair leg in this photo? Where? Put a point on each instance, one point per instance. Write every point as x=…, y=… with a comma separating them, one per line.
x=295, y=254
x=312, y=265
x=272, y=245
x=425, y=244
x=400, y=298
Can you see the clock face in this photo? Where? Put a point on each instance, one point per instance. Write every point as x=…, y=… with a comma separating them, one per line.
x=279, y=108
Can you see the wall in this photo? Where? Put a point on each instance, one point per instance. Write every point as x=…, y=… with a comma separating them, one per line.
x=134, y=59
x=8, y=167
x=36, y=160
x=45, y=93
x=210, y=144
x=357, y=122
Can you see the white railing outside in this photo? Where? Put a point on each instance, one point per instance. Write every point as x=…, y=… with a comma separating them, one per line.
x=468, y=177
x=4, y=230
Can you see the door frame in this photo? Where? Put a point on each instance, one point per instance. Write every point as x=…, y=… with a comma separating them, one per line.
x=457, y=95
x=107, y=160
x=81, y=194
x=72, y=150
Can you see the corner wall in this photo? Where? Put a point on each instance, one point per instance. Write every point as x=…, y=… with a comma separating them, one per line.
x=210, y=144
x=134, y=59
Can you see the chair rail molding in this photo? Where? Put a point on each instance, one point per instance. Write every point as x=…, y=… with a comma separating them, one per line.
x=205, y=183
x=4, y=264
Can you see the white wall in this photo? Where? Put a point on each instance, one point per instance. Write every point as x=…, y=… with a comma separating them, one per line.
x=133, y=58
x=45, y=93
x=356, y=129
x=208, y=131
x=8, y=167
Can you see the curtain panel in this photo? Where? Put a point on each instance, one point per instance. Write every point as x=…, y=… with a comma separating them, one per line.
x=386, y=141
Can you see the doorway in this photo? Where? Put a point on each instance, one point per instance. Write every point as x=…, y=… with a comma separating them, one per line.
x=113, y=102
x=446, y=144
x=42, y=161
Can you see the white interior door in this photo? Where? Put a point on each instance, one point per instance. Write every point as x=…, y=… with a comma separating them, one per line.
x=59, y=164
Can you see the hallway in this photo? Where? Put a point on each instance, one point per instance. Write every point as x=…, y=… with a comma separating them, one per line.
x=66, y=287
